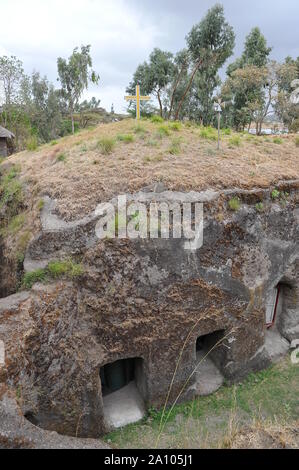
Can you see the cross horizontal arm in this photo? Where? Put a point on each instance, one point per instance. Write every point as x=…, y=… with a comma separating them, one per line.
x=130, y=98
x=145, y=98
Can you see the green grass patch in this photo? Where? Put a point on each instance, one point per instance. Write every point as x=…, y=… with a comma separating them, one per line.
x=55, y=270
x=175, y=146
x=208, y=133
x=163, y=131
x=226, y=131
x=126, y=138
x=106, y=145
x=235, y=141
x=139, y=129
x=277, y=141
x=157, y=119
x=297, y=141
x=175, y=126
x=260, y=207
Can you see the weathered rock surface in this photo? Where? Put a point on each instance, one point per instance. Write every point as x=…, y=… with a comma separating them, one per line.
x=18, y=433
x=151, y=300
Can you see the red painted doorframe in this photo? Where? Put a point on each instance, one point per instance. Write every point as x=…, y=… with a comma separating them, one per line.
x=269, y=325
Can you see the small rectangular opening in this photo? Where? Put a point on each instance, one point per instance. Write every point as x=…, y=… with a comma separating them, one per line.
x=123, y=390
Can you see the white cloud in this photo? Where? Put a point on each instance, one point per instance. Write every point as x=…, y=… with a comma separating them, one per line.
x=40, y=31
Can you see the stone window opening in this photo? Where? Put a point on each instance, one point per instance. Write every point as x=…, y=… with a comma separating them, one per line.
x=123, y=391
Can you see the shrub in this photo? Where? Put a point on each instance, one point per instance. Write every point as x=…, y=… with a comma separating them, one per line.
x=175, y=126
x=157, y=119
x=235, y=141
x=226, y=131
x=175, y=147
x=163, y=131
x=297, y=141
x=32, y=143
x=208, y=133
x=277, y=140
x=54, y=142
x=106, y=145
x=126, y=138
x=234, y=204
x=295, y=126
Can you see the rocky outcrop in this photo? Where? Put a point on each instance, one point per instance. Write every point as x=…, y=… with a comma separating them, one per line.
x=150, y=300
x=16, y=432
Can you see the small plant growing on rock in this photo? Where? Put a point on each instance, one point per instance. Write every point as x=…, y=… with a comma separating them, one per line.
x=275, y=194
x=106, y=145
x=32, y=278
x=234, y=204
x=260, y=207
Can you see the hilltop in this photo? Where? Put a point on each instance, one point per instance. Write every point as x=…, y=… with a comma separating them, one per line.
x=94, y=165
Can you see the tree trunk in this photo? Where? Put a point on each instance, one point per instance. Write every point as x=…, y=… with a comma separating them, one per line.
x=73, y=123
x=175, y=89
x=160, y=104
x=187, y=89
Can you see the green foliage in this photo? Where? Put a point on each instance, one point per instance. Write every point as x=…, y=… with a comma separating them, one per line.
x=208, y=133
x=259, y=207
x=163, y=131
x=297, y=141
x=54, y=142
x=32, y=143
x=175, y=126
x=11, y=192
x=234, y=204
x=55, y=270
x=126, y=138
x=275, y=194
x=277, y=140
x=106, y=145
x=41, y=204
x=175, y=147
x=61, y=158
x=235, y=141
x=32, y=278
x=157, y=119
x=226, y=131
x=74, y=75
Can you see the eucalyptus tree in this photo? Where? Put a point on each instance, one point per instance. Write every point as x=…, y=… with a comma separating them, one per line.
x=75, y=74
x=210, y=43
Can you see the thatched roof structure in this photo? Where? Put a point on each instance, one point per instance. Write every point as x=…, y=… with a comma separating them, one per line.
x=4, y=133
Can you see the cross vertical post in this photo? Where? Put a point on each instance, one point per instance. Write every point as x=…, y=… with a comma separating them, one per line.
x=137, y=98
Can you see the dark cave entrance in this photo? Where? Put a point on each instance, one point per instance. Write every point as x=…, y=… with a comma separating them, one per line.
x=123, y=389
x=210, y=360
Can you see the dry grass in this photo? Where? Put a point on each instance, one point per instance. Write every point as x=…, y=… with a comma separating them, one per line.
x=87, y=177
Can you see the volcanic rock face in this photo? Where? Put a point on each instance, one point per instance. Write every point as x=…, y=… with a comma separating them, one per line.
x=149, y=300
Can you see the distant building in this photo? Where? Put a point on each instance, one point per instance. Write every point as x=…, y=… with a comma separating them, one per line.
x=5, y=142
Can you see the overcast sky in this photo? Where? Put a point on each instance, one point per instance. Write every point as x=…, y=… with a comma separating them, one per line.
x=122, y=33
